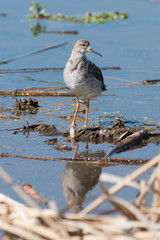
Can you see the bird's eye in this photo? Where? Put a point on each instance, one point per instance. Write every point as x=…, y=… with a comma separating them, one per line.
x=83, y=45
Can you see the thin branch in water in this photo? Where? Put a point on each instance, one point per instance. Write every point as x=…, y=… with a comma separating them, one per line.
x=34, y=52
x=29, y=70
x=95, y=160
x=21, y=70
x=107, y=68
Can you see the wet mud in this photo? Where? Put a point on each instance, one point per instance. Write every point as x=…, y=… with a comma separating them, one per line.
x=123, y=137
x=30, y=106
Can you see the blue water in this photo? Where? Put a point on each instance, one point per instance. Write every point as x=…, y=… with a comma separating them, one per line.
x=132, y=44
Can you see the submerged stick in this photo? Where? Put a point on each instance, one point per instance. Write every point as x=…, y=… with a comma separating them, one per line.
x=29, y=70
x=107, y=68
x=61, y=32
x=34, y=52
x=95, y=160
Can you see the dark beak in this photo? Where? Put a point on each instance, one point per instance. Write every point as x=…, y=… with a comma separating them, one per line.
x=92, y=50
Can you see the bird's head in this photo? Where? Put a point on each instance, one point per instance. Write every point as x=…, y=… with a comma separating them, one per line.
x=83, y=46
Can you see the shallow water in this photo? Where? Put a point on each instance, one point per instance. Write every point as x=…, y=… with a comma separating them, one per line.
x=132, y=44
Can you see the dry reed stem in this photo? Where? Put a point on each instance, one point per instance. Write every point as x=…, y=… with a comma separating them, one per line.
x=119, y=185
x=99, y=227
x=156, y=198
x=142, y=194
x=7, y=236
x=107, y=177
x=17, y=188
x=28, y=220
x=27, y=199
x=16, y=231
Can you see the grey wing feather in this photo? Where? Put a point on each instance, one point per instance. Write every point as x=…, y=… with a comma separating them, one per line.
x=95, y=71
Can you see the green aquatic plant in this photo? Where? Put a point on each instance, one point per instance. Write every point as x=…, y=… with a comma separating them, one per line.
x=103, y=17
x=38, y=11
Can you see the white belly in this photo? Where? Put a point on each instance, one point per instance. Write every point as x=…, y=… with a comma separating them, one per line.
x=82, y=87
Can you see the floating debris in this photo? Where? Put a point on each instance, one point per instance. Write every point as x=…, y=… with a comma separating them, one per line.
x=3, y=14
x=51, y=141
x=63, y=148
x=46, y=129
x=150, y=82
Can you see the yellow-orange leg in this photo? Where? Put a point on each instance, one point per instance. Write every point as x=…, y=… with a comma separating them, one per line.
x=75, y=115
x=87, y=109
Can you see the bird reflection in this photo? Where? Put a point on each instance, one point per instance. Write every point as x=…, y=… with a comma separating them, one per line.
x=78, y=179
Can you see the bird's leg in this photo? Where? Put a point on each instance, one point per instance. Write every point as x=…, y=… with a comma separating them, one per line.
x=76, y=153
x=87, y=109
x=75, y=115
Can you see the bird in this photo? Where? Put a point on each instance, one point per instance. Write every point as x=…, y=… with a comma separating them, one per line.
x=82, y=76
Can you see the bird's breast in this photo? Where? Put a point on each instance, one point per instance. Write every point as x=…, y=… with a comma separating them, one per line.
x=78, y=78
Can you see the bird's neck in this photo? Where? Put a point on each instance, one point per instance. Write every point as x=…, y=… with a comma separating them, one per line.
x=77, y=54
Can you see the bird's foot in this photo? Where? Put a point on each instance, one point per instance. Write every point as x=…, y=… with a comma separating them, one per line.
x=73, y=125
